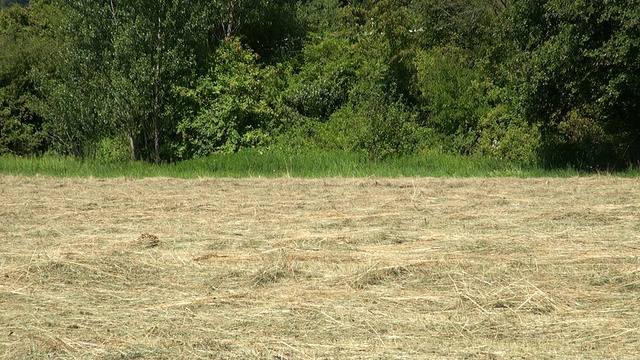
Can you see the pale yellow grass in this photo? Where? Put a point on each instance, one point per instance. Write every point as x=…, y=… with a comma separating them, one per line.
x=319, y=269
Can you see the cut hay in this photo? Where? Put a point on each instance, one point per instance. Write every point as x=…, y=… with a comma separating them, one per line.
x=319, y=269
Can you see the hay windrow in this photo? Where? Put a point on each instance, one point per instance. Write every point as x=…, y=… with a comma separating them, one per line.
x=319, y=269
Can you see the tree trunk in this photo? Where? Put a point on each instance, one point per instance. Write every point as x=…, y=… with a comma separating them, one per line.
x=156, y=90
x=232, y=13
x=132, y=144
x=156, y=140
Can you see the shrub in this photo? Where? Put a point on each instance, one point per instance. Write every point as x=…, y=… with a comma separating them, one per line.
x=325, y=80
x=581, y=141
x=505, y=135
x=452, y=96
x=113, y=149
x=379, y=127
x=230, y=107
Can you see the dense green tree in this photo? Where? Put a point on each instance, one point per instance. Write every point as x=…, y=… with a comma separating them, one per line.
x=329, y=73
x=346, y=91
x=520, y=80
x=125, y=57
x=452, y=96
x=230, y=107
x=577, y=70
x=27, y=40
x=320, y=16
x=128, y=58
x=9, y=3
x=271, y=28
x=464, y=23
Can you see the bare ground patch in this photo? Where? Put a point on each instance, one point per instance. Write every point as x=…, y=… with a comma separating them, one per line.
x=319, y=269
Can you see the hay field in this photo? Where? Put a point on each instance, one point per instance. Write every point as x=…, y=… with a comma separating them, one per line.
x=319, y=269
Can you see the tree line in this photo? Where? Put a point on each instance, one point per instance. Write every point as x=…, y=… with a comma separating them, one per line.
x=536, y=82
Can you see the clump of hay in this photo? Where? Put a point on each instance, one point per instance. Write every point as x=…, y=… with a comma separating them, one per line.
x=148, y=241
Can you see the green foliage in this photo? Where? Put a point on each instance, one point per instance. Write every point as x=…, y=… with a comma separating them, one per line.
x=584, y=142
x=535, y=82
x=345, y=100
x=26, y=39
x=326, y=78
x=20, y=135
x=377, y=127
x=73, y=120
x=505, y=135
x=270, y=28
x=452, y=96
x=113, y=149
x=230, y=105
x=9, y=3
x=118, y=66
x=463, y=23
x=320, y=15
x=579, y=60
x=254, y=163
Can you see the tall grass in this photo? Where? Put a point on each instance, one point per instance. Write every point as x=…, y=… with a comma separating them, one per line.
x=256, y=163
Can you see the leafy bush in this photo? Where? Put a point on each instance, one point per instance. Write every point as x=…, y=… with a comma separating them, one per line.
x=325, y=80
x=504, y=135
x=113, y=149
x=20, y=130
x=345, y=99
x=583, y=142
x=576, y=70
x=452, y=96
x=25, y=41
x=229, y=108
x=378, y=126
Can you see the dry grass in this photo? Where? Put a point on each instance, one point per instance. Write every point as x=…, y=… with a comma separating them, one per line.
x=319, y=269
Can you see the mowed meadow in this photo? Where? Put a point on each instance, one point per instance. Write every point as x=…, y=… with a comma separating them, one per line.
x=336, y=268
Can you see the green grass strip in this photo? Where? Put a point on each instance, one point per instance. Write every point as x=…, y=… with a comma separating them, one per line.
x=256, y=163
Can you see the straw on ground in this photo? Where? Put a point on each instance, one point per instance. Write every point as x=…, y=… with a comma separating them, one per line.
x=319, y=269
